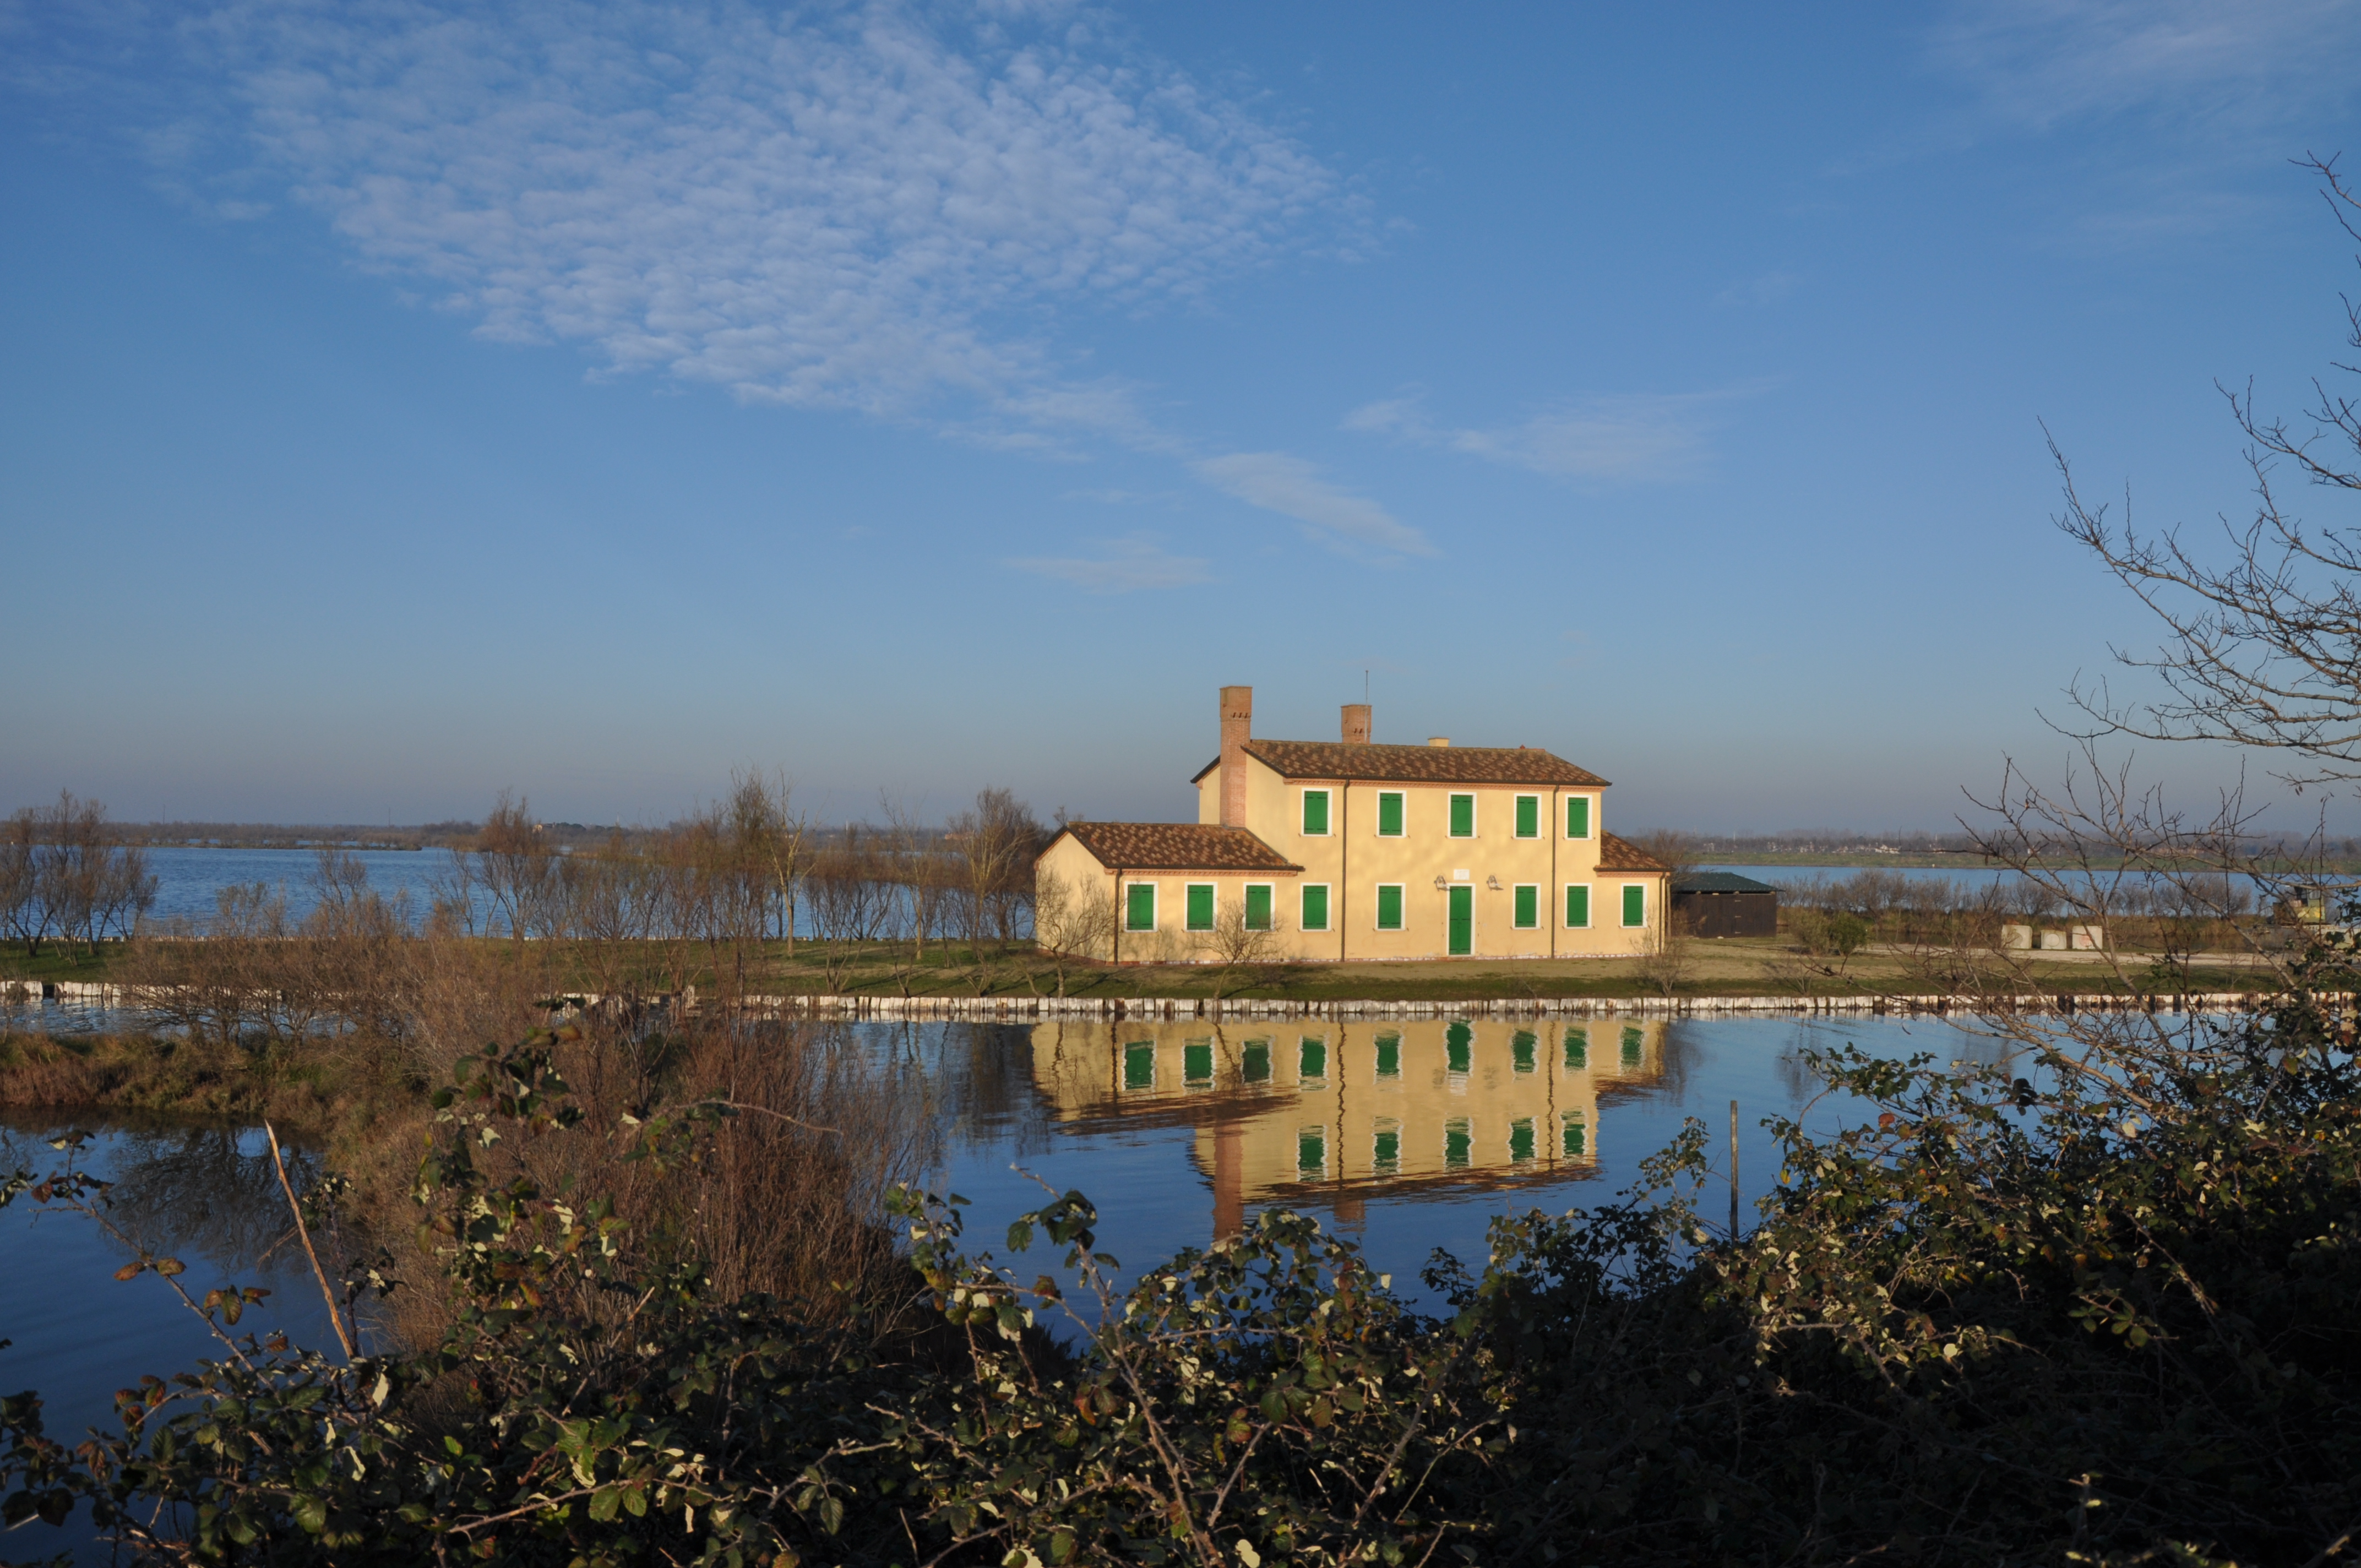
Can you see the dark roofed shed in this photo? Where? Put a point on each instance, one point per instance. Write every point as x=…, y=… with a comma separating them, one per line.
x=1723, y=904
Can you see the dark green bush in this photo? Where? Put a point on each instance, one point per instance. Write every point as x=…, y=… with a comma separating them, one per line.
x=2104, y=1311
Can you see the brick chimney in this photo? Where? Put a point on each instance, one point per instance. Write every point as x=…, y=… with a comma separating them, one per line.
x=1237, y=729
x=1356, y=724
x=1438, y=739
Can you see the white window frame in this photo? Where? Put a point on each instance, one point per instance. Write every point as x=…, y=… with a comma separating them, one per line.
x=1212, y=924
x=1244, y=888
x=1537, y=815
x=1514, y=890
x=1155, y=907
x=1302, y=794
x=1376, y=829
x=1376, y=906
x=1474, y=813
x=1627, y=887
x=1590, y=816
x=1327, y=924
x=1591, y=905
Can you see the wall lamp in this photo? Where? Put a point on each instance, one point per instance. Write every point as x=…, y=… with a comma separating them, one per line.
x=1441, y=882
x=1493, y=883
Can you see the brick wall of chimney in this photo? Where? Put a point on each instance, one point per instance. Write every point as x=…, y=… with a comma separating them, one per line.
x=1237, y=729
x=1356, y=724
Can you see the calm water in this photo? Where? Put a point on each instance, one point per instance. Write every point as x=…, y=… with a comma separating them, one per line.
x=188, y=879
x=1405, y=1137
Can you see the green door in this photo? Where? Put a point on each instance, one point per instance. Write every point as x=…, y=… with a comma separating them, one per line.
x=1463, y=920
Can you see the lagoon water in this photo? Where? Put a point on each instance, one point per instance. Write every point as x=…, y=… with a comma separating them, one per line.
x=1404, y=1137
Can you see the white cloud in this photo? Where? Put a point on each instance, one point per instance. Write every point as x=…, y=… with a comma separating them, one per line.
x=1632, y=437
x=1288, y=486
x=1127, y=565
x=2204, y=62
x=872, y=206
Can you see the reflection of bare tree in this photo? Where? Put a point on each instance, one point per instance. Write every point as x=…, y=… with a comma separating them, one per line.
x=186, y=1192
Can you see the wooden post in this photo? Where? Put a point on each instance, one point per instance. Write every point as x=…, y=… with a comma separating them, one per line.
x=1733, y=1170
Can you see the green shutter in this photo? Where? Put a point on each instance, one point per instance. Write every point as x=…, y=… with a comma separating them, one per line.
x=1528, y=816
x=1139, y=906
x=1390, y=906
x=1458, y=1042
x=1259, y=908
x=1462, y=931
x=1201, y=906
x=1315, y=811
x=1528, y=908
x=1315, y=907
x=1140, y=1065
x=1463, y=816
x=1390, y=815
x=1312, y=1059
x=1577, y=816
x=1635, y=903
x=1578, y=907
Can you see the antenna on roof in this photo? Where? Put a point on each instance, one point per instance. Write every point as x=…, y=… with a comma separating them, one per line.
x=1365, y=685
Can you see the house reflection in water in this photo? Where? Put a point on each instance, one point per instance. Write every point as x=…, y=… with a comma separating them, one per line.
x=1316, y=1111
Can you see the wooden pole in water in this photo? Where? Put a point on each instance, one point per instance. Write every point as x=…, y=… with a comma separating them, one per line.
x=1733, y=1170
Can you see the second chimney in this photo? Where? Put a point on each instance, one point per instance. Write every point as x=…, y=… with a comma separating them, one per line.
x=1356, y=724
x=1237, y=729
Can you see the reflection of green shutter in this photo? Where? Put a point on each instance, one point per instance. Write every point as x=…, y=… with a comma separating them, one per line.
x=1520, y=1139
x=1315, y=907
x=1577, y=1049
x=1139, y=906
x=1574, y=1137
x=1463, y=816
x=1388, y=1055
x=1528, y=816
x=1522, y=1050
x=1635, y=903
x=1389, y=907
x=1140, y=1065
x=1201, y=906
x=1635, y=1046
x=1315, y=811
x=1385, y=1149
x=1258, y=908
x=1312, y=1150
x=1577, y=816
x=1457, y=1040
x=1254, y=1061
x=1458, y=1141
x=1528, y=909
x=1312, y=1058
x=1197, y=1061
x=1578, y=907
x=1390, y=815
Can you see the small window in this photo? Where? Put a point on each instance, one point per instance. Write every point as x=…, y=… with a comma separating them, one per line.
x=1463, y=816
x=1315, y=813
x=1389, y=814
x=1578, y=906
x=1528, y=816
x=1201, y=905
x=1529, y=906
x=1258, y=906
x=1139, y=906
x=1635, y=903
x=1315, y=906
x=1390, y=906
x=1577, y=816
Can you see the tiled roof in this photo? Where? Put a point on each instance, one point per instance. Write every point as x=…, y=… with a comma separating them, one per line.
x=1720, y=882
x=1622, y=855
x=1415, y=765
x=1177, y=846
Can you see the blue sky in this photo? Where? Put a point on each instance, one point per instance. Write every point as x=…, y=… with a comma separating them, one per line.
x=404, y=402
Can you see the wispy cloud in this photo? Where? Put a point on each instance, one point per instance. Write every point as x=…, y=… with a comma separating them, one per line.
x=1125, y=566
x=1632, y=437
x=867, y=206
x=1285, y=484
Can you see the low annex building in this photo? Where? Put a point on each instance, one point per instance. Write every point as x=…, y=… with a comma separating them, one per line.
x=1348, y=851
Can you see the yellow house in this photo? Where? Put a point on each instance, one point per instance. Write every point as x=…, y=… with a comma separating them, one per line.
x=1345, y=849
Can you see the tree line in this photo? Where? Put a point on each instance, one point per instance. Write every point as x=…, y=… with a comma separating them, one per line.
x=64, y=876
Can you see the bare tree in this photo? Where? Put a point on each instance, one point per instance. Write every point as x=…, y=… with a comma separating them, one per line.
x=1239, y=945
x=512, y=864
x=2262, y=645
x=1668, y=952
x=1070, y=923
x=78, y=882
